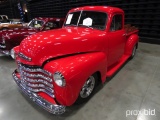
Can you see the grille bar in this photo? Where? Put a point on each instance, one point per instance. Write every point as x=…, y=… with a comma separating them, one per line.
x=39, y=86
x=33, y=75
x=33, y=69
x=36, y=79
x=52, y=108
x=36, y=90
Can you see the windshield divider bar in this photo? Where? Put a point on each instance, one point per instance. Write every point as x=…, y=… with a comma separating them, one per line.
x=79, y=17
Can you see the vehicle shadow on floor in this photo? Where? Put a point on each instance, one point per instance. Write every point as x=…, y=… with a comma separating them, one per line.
x=7, y=61
x=6, y=58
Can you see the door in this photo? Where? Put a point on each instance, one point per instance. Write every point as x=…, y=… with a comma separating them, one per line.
x=117, y=39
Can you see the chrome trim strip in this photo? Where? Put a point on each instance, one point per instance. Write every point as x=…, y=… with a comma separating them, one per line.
x=2, y=46
x=52, y=108
x=21, y=55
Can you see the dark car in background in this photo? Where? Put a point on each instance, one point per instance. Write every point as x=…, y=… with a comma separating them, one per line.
x=13, y=37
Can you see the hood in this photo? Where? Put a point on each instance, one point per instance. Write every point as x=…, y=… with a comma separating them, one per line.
x=65, y=41
x=18, y=32
x=13, y=37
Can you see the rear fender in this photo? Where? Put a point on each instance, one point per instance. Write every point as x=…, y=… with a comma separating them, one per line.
x=76, y=70
x=131, y=42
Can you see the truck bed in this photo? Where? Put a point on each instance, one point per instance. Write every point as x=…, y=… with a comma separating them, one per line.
x=130, y=29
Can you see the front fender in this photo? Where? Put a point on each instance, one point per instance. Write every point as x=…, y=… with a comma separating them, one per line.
x=131, y=42
x=76, y=70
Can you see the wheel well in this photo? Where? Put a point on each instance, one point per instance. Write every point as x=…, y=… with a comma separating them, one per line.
x=136, y=45
x=99, y=77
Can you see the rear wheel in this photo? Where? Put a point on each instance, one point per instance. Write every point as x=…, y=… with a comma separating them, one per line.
x=87, y=89
x=133, y=52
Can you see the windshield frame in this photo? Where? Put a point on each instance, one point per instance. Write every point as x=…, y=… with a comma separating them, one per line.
x=81, y=11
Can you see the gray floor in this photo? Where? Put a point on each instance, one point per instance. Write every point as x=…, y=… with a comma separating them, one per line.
x=135, y=87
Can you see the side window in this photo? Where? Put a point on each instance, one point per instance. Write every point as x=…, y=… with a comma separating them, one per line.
x=51, y=25
x=116, y=23
x=4, y=17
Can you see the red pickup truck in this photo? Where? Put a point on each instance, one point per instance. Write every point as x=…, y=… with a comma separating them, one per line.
x=13, y=37
x=60, y=67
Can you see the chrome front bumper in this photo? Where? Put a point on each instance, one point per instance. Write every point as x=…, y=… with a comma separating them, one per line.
x=52, y=108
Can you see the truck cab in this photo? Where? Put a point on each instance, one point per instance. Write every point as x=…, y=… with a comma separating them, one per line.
x=61, y=67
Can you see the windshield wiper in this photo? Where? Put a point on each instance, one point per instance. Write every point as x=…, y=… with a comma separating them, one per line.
x=86, y=26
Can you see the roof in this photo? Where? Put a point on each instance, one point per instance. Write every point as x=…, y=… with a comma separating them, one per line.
x=107, y=9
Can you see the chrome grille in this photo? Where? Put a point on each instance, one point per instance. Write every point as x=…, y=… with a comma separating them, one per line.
x=36, y=79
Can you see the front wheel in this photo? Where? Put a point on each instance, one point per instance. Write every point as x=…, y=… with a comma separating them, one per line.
x=87, y=89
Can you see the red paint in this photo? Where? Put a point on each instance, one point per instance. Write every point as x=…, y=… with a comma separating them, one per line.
x=78, y=52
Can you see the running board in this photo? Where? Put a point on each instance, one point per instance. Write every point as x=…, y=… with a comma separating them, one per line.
x=117, y=66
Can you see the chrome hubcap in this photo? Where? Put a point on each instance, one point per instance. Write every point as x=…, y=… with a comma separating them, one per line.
x=88, y=87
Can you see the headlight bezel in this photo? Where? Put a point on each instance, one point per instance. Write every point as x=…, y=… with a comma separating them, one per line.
x=59, y=79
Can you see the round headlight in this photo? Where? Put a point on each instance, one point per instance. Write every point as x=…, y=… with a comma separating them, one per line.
x=13, y=55
x=59, y=79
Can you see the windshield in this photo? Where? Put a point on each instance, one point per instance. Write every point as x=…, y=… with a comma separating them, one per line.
x=91, y=19
x=36, y=23
x=5, y=18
